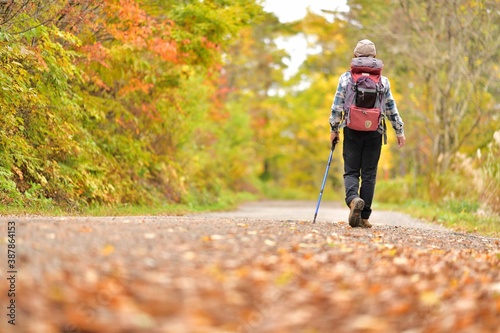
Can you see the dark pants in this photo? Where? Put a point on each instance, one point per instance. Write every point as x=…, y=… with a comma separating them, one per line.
x=361, y=156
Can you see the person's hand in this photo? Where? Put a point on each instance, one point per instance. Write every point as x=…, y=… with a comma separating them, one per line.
x=401, y=141
x=334, y=137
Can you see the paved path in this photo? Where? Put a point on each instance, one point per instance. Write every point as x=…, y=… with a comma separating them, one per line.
x=328, y=212
x=262, y=268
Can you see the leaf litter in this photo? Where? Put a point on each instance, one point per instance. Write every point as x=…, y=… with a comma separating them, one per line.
x=192, y=274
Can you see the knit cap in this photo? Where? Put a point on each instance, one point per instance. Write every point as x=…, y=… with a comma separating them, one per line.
x=365, y=48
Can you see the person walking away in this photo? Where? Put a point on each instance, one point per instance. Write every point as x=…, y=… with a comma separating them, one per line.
x=362, y=102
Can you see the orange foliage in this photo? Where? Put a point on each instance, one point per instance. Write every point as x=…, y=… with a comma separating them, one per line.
x=78, y=15
x=135, y=85
x=208, y=44
x=94, y=78
x=95, y=53
x=132, y=25
x=167, y=50
x=218, y=111
x=151, y=111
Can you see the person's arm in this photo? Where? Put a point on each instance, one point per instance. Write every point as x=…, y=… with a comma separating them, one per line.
x=392, y=113
x=337, y=107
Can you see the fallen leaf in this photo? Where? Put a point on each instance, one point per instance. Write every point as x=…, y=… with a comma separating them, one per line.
x=107, y=250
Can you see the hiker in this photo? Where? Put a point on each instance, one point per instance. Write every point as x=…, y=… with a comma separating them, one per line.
x=362, y=102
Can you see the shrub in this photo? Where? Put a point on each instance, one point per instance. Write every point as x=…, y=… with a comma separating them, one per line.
x=490, y=191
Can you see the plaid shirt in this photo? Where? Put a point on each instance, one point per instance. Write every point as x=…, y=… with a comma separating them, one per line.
x=390, y=110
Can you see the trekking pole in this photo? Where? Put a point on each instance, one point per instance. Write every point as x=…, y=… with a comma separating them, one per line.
x=324, y=178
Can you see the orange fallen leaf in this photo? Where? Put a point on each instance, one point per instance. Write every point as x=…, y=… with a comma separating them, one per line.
x=107, y=250
x=85, y=229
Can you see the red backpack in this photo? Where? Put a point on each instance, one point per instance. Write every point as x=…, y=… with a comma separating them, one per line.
x=365, y=98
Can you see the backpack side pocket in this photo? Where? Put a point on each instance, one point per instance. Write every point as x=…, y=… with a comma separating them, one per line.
x=361, y=119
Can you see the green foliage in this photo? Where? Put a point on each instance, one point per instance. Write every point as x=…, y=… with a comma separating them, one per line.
x=225, y=201
x=400, y=190
x=208, y=24
x=38, y=112
x=456, y=215
x=120, y=107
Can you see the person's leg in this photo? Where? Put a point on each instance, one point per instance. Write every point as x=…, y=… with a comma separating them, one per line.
x=369, y=163
x=352, y=148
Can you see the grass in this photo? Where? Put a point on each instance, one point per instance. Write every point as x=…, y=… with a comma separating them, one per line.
x=225, y=202
x=459, y=216
x=166, y=209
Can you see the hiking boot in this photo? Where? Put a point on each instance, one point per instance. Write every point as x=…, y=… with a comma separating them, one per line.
x=356, y=205
x=365, y=223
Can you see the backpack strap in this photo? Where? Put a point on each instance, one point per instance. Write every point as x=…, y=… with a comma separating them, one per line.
x=350, y=93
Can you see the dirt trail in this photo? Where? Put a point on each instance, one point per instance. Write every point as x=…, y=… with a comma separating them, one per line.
x=264, y=268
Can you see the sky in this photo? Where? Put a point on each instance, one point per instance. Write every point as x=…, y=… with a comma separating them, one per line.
x=292, y=10
x=288, y=10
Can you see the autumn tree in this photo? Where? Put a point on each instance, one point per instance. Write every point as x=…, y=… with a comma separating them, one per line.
x=441, y=57
x=253, y=73
x=454, y=47
x=111, y=101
